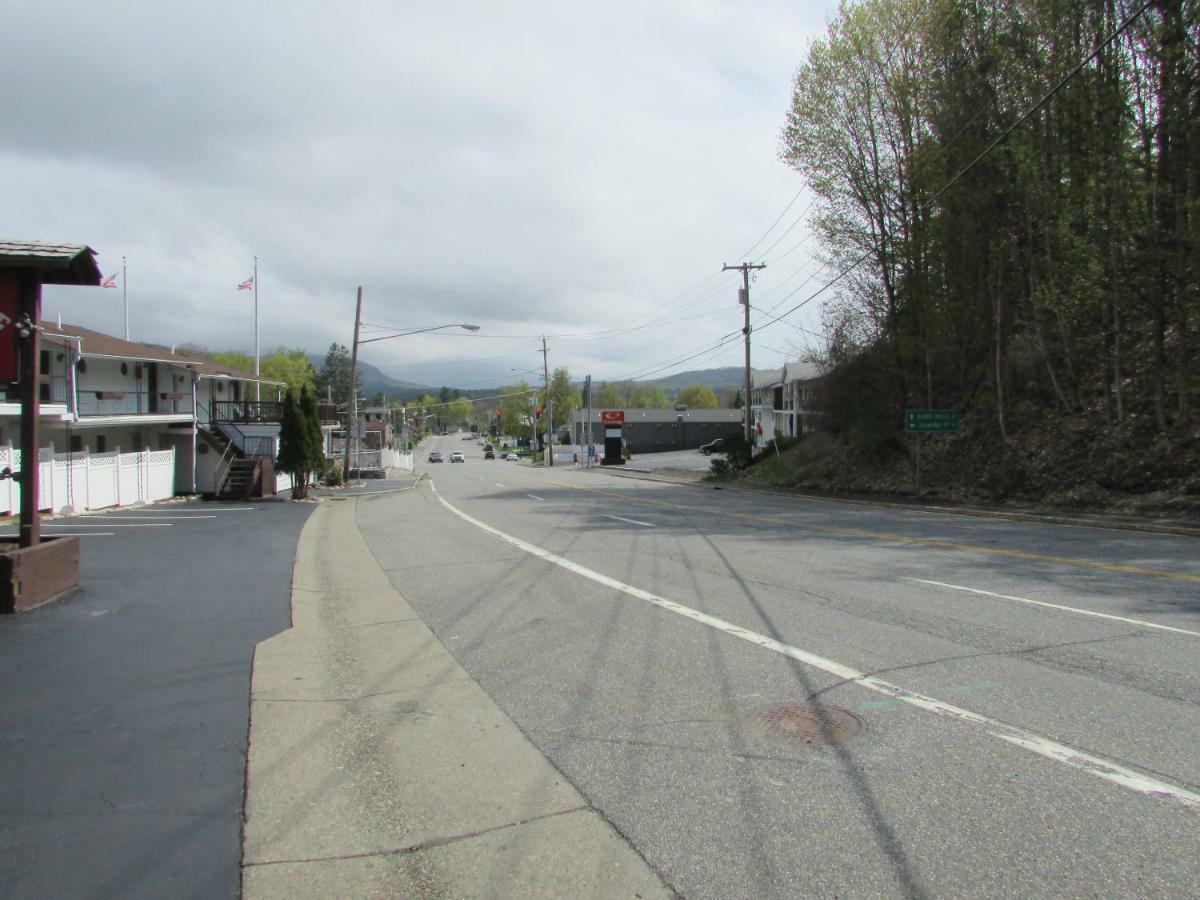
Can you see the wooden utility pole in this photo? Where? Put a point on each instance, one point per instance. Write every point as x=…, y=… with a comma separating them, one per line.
x=549, y=406
x=352, y=407
x=29, y=298
x=744, y=299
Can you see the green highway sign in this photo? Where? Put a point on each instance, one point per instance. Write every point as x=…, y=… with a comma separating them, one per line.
x=930, y=420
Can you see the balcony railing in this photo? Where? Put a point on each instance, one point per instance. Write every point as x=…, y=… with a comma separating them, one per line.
x=132, y=403
x=113, y=403
x=247, y=412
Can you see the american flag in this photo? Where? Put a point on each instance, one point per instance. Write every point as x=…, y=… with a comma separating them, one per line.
x=110, y=281
x=246, y=285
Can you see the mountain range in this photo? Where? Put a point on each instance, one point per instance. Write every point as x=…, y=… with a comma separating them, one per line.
x=373, y=380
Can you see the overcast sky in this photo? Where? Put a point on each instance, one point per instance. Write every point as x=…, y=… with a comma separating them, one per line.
x=567, y=169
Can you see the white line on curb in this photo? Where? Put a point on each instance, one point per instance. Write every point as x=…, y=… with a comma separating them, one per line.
x=1019, y=737
x=535, y=497
x=1083, y=612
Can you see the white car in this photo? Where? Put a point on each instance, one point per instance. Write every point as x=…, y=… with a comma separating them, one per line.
x=457, y=456
x=511, y=457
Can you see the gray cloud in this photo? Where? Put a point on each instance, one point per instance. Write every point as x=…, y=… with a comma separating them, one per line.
x=543, y=167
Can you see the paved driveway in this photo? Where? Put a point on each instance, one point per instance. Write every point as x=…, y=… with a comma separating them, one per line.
x=125, y=705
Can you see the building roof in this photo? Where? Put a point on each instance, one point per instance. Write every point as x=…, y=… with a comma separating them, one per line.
x=766, y=378
x=57, y=263
x=214, y=369
x=801, y=371
x=790, y=373
x=98, y=344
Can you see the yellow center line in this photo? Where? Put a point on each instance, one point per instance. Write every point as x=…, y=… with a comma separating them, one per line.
x=890, y=536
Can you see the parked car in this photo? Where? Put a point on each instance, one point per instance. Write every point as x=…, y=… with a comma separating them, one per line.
x=511, y=457
x=712, y=446
x=435, y=456
x=457, y=456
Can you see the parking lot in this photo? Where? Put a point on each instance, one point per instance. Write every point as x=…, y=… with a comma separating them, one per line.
x=126, y=702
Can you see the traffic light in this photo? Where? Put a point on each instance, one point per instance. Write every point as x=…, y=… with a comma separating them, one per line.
x=538, y=412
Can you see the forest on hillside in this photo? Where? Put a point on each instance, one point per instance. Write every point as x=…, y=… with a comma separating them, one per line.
x=1008, y=204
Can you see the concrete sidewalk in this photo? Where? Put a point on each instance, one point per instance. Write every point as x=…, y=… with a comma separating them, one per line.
x=379, y=768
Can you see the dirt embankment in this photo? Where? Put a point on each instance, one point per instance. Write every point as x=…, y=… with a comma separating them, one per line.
x=1049, y=462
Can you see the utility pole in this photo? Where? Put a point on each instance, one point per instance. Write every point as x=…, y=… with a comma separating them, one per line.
x=549, y=406
x=352, y=409
x=587, y=420
x=744, y=299
x=124, y=298
x=257, y=384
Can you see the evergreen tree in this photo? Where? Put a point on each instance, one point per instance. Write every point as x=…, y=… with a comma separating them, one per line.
x=315, y=443
x=295, y=443
x=334, y=376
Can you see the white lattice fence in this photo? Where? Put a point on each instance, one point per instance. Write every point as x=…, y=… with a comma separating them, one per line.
x=91, y=480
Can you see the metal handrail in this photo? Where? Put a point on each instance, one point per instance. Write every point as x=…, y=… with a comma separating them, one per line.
x=219, y=481
x=250, y=446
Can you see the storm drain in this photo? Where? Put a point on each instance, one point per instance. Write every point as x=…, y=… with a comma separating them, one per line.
x=807, y=723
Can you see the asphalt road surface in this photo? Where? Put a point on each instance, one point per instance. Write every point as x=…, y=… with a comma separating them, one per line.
x=777, y=697
x=125, y=704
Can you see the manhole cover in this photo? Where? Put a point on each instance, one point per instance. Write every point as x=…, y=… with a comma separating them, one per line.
x=807, y=723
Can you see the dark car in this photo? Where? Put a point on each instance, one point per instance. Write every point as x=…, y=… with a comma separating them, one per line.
x=712, y=446
x=489, y=453
x=435, y=456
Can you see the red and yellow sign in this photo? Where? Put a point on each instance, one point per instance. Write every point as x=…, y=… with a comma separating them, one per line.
x=612, y=417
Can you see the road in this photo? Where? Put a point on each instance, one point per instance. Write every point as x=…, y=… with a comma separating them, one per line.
x=777, y=697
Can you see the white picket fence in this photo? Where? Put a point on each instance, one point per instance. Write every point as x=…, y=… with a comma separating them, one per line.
x=84, y=481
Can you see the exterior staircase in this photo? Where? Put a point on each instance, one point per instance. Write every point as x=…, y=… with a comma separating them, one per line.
x=240, y=479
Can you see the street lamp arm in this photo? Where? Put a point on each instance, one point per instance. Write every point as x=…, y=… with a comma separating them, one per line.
x=420, y=331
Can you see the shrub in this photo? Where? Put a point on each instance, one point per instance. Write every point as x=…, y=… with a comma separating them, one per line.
x=334, y=476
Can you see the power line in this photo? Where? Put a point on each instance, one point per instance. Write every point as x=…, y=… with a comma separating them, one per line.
x=788, y=231
x=791, y=202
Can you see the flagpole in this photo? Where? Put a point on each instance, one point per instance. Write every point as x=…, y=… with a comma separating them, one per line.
x=125, y=296
x=257, y=384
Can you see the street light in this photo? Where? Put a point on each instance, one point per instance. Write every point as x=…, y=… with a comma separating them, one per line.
x=353, y=423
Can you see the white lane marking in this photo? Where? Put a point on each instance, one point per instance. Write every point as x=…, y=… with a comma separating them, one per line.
x=84, y=525
x=498, y=484
x=1142, y=623
x=630, y=521
x=74, y=534
x=1035, y=743
x=535, y=497
x=186, y=510
x=140, y=518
